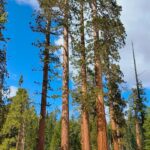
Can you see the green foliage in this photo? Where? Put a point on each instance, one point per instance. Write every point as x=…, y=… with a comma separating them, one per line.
x=74, y=134
x=3, y=71
x=138, y=99
x=31, y=129
x=129, y=137
x=19, y=112
x=93, y=132
x=147, y=130
x=50, y=125
x=56, y=140
x=139, y=103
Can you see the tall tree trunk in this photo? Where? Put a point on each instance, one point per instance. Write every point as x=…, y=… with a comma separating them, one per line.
x=85, y=135
x=138, y=135
x=41, y=131
x=101, y=120
x=137, y=124
x=114, y=128
x=65, y=95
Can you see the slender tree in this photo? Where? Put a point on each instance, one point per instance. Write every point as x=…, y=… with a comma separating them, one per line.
x=139, y=108
x=43, y=21
x=129, y=137
x=137, y=125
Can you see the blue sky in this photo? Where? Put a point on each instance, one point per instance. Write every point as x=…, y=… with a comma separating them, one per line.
x=22, y=57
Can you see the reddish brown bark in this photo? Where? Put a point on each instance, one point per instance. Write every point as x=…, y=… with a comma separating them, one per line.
x=41, y=131
x=138, y=136
x=65, y=95
x=101, y=120
x=85, y=143
x=114, y=128
x=85, y=135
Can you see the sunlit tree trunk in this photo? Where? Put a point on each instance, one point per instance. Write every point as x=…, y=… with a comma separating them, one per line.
x=138, y=135
x=85, y=135
x=41, y=131
x=65, y=95
x=101, y=120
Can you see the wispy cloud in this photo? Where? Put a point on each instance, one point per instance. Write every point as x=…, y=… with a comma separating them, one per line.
x=33, y=3
x=12, y=91
x=135, y=16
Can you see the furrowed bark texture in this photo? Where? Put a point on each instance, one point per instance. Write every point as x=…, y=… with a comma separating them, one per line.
x=85, y=135
x=41, y=131
x=101, y=120
x=65, y=95
x=138, y=135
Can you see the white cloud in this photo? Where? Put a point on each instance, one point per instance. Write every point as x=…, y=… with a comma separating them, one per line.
x=135, y=17
x=12, y=91
x=32, y=3
x=59, y=41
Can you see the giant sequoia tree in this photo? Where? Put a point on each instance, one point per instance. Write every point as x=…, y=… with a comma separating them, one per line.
x=96, y=34
x=79, y=60
x=65, y=87
x=101, y=120
x=113, y=40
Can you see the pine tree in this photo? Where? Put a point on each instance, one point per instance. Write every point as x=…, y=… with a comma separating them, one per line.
x=139, y=116
x=3, y=20
x=14, y=128
x=74, y=134
x=45, y=18
x=113, y=38
x=3, y=71
x=139, y=107
x=49, y=132
x=31, y=129
x=55, y=143
x=130, y=138
x=52, y=131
